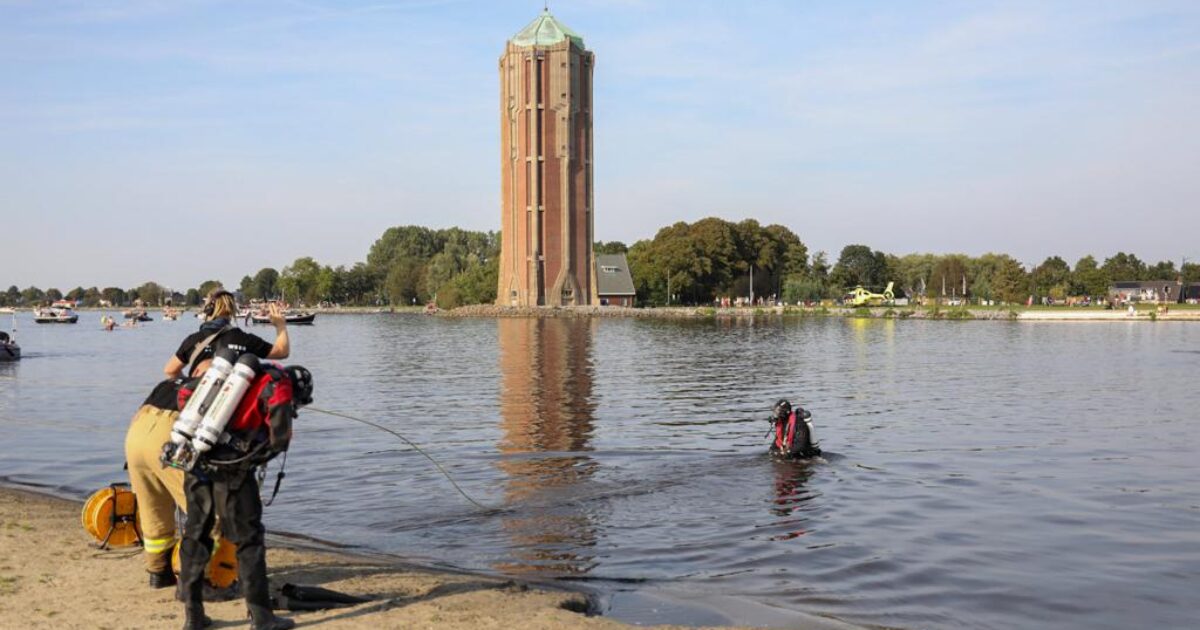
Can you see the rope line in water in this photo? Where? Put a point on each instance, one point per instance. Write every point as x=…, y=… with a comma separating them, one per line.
x=9, y=421
x=413, y=445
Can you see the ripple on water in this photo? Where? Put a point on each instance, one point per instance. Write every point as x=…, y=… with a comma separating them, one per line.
x=990, y=475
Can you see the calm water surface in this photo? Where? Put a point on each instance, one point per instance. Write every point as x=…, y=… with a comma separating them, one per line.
x=979, y=474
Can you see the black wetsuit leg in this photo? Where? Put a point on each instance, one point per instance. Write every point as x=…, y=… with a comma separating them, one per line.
x=197, y=544
x=241, y=514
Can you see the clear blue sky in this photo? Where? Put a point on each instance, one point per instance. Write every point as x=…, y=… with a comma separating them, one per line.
x=181, y=140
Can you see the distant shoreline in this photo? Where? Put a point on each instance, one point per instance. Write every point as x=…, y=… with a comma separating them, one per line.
x=1066, y=314
x=1187, y=313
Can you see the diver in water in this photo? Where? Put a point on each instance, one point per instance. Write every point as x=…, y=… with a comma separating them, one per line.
x=793, y=432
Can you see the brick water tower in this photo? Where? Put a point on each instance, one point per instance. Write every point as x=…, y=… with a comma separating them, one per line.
x=546, y=168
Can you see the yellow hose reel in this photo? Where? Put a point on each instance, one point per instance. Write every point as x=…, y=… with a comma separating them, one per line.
x=110, y=516
x=222, y=566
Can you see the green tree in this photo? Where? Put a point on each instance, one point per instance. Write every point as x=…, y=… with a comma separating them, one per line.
x=1052, y=277
x=53, y=294
x=246, y=286
x=361, y=284
x=1122, y=266
x=1010, y=283
x=403, y=283
x=912, y=273
x=858, y=265
x=476, y=285
x=1088, y=279
x=91, y=297
x=951, y=272
x=408, y=241
x=32, y=295
x=207, y=287
x=611, y=247
x=1163, y=270
x=1191, y=273
x=298, y=281
x=75, y=295
x=193, y=297
x=113, y=295
x=150, y=293
x=330, y=284
x=264, y=284
x=801, y=288
x=13, y=295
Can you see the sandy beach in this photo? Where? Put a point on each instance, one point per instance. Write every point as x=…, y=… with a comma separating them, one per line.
x=51, y=578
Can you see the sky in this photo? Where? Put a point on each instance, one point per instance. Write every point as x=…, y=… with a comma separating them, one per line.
x=178, y=141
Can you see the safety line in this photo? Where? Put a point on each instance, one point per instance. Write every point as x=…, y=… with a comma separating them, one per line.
x=415, y=447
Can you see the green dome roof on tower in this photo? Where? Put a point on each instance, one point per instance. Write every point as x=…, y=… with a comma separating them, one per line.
x=544, y=31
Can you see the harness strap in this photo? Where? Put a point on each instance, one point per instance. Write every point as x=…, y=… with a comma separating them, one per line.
x=278, y=480
x=204, y=343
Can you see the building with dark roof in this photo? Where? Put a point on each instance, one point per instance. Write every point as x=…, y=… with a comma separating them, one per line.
x=614, y=282
x=546, y=168
x=1152, y=291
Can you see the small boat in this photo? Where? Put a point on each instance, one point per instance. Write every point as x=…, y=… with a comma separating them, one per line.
x=57, y=313
x=9, y=350
x=291, y=317
x=138, y=315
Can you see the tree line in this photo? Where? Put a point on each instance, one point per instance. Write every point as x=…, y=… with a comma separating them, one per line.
x=684, y=263
x=712, y=258
x=407, y=265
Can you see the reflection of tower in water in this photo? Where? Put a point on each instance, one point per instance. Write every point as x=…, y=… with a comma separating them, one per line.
x=546, y=407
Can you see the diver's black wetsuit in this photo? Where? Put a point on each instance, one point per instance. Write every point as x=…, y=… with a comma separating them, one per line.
x=234, y=497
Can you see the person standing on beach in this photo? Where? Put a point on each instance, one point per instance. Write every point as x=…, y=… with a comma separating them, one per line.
x=233, y=495
x=159, y=489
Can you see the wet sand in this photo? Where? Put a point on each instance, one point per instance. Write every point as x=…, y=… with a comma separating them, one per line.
x=50, y=577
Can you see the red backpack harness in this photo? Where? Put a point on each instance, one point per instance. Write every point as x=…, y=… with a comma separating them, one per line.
x=785, y=433
x=270, y=394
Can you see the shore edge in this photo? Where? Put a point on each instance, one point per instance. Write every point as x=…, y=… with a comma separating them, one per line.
x=50, y=577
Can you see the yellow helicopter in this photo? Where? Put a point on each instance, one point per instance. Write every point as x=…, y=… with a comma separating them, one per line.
x=862, y=297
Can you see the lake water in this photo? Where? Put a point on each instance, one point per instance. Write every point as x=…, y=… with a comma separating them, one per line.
x=978, y=474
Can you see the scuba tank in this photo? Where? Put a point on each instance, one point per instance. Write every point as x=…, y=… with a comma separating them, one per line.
x=189, y=419
x=179, y=452
x=224, y=403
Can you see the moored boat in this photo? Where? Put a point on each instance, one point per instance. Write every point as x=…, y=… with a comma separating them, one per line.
x=291, y=317
x=57, y=313
x=9, y=350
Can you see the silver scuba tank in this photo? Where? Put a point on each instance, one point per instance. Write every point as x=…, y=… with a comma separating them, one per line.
x=225, y=403
x=193, y=412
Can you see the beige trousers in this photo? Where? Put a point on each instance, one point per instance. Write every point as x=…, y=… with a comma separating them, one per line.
x=158, y=489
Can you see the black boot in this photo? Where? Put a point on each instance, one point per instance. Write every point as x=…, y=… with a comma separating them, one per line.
x=265, y=619
x=195, y=618
x=162, y=579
